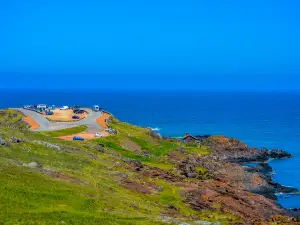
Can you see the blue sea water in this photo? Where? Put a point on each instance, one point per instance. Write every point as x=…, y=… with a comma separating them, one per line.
x=269, y=120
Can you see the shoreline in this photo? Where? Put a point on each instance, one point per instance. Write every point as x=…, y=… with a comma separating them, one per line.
x=286, y=190
x=258, y=178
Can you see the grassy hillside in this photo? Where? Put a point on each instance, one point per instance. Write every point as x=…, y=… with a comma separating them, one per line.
x=65, y=132
x=45, y=180
x=11, y=117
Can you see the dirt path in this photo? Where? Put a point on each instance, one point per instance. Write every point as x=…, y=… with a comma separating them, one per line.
x=33, y=125
x=129, y=144
x=102, y=120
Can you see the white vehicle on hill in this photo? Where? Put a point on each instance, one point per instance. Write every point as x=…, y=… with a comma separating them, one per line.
x=98, y=135
x=64, y=107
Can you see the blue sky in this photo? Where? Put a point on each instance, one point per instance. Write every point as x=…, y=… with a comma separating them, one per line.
x=156, y=44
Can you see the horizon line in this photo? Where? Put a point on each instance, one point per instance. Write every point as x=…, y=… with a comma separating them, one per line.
x=60, y=89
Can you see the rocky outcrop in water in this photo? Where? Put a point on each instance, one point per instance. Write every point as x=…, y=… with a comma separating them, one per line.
x=226, y=160
x=232, y=150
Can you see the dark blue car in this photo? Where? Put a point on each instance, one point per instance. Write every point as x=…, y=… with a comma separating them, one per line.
x=79, y=111
x=76, y=138
x=49, y=113
x=75, y=117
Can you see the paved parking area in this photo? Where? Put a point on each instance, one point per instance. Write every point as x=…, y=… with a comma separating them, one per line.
x=46, y=125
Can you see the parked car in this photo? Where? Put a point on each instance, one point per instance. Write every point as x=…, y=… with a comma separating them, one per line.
x=75, y=117
x=64, y=107
x=98, y=135
x=79, y=111
x=49, y=113
x=111, y=131
x=76, y=138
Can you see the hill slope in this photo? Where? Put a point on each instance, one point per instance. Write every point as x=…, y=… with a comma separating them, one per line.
x=135, y=177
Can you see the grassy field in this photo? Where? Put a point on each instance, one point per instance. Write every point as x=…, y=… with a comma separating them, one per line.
x=11, y=117
x=76, y=184
x=142, y=138
x=65, y=132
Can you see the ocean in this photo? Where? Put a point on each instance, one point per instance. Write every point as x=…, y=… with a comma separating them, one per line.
x=268, y=119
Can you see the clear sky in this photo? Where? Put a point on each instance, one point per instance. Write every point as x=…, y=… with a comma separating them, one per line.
x=157, y=44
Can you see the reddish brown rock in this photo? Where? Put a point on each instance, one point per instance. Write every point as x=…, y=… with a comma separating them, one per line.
x=231, y=199
x=133, y=185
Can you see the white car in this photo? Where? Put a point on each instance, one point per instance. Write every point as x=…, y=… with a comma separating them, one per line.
x=64, y=108
x=98, y=135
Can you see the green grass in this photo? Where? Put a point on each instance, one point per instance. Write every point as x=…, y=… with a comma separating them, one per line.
x=156, y=147
x=65, y=132
x=31, y=198
x=203, y=173
x=161, y=165
x=12, y=117
x=170, y=196
x=128, y=129
x=89, y=190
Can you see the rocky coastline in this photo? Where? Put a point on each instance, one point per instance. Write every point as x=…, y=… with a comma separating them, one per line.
x=235, y=151
x=234, y=179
